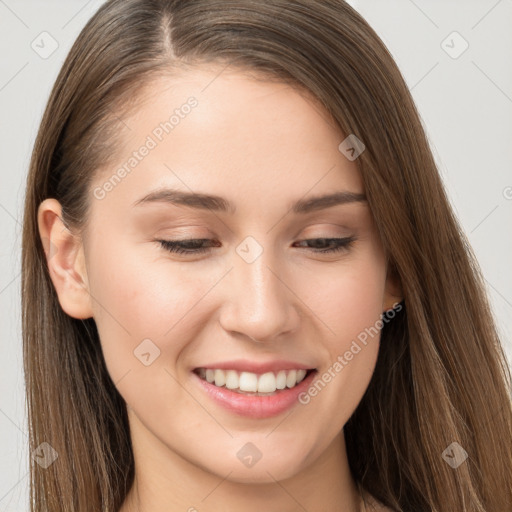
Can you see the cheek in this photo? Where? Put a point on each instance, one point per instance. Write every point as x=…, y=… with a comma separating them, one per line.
x=349, y=299
x=349, y=305
x=135, y=302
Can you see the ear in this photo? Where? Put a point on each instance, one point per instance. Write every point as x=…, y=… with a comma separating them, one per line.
x=66, y=261
x=393, y=290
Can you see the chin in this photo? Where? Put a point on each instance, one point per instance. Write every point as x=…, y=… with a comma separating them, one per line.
x=262, y=472
x=265, y=475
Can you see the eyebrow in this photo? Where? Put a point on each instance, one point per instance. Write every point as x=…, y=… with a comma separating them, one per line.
x=219, y=204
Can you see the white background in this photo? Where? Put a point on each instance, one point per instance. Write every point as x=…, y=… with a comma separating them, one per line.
x=465, y=104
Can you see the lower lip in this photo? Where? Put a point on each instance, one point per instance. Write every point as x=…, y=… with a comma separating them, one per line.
x=256, y=406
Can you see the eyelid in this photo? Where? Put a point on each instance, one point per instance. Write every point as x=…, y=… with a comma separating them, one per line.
x=186, y=246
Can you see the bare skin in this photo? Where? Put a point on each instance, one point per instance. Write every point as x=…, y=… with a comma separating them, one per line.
x=262, y=146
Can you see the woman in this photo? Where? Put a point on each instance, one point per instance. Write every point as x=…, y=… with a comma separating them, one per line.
x=243, y=284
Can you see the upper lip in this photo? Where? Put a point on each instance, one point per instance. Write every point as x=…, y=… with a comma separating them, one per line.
x=244, y=365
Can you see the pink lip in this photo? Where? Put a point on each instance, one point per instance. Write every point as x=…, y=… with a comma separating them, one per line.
x=245, y=365
x=253, y=406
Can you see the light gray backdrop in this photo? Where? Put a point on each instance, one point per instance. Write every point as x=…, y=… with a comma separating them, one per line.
x=457, y=59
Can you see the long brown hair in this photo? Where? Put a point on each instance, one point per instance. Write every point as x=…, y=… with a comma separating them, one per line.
x=441, y=375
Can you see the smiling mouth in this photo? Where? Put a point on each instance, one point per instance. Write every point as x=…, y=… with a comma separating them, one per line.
x=249, y=383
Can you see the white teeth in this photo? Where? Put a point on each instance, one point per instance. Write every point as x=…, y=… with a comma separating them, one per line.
x=300, y=375
x=251, y=382
x=291, y=379
x=220, y=378
x=231, y=379
x=281, y=380
x=267, y=383
x=248, y=382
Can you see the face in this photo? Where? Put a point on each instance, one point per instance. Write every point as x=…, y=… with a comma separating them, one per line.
x=266, y=282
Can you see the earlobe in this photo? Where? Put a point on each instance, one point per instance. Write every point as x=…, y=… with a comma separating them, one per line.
x=66, y=260
x=393, y=293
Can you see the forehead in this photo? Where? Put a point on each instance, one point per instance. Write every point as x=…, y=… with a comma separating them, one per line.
x=227, y=132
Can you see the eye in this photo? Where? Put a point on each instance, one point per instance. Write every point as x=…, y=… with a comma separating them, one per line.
x=196, y=245
x=330, y=245
x=192, y=246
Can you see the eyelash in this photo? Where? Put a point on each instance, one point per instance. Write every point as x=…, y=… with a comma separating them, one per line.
x=180, y=246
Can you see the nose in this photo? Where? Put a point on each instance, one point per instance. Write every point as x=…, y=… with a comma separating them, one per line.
x=259, y=302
